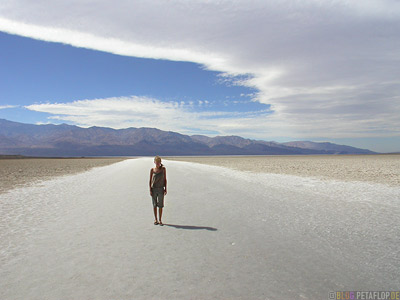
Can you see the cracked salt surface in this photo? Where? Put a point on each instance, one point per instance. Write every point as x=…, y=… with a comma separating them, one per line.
x=228, y=235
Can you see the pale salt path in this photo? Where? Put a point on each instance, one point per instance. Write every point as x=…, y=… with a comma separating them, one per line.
x=228, y=235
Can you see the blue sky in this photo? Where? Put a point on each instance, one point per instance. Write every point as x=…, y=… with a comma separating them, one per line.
x=39, y=72
x=269, y=70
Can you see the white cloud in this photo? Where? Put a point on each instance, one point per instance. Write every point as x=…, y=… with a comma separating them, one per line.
x=136, y=111
x=7, y=106
x=326, y=67
x=124, y=112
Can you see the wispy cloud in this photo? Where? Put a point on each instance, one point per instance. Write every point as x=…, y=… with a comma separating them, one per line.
x=327, y=68
x=7, y=106
x=124, y=112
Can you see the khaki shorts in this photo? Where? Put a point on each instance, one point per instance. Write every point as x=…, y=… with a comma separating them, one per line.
x=158, y=197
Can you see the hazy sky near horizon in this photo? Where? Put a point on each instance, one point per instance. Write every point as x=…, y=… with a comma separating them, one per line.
x=316, y=70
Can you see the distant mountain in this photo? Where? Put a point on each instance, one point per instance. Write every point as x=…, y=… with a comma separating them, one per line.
x=68, y=140
x=334, y=148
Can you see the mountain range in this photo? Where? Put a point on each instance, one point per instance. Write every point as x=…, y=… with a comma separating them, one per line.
x=69, y=140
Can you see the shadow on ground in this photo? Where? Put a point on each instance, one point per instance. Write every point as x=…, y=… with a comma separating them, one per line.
x=191, y=227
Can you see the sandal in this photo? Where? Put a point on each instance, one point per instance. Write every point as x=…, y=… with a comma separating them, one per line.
x=155, y=223
x=161, y=223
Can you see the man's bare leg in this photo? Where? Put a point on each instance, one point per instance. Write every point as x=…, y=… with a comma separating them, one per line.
x=160, y=213
x=155, y=214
